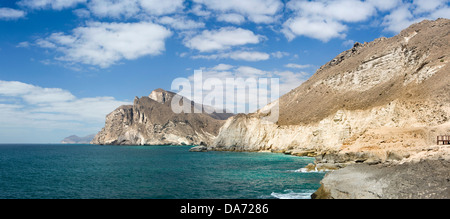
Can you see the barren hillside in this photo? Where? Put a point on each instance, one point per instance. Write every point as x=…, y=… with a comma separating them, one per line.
x=383, y=100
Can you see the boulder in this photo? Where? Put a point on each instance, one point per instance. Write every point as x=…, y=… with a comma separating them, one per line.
x=199, y=149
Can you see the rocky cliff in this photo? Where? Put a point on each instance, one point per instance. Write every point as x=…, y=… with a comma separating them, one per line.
x=151, y=121
x=379, y=101
x=426, y=179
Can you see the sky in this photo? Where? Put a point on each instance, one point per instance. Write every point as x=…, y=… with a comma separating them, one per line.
x=66, y=64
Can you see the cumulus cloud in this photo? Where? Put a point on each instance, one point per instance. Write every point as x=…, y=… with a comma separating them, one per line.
x=27, y=104
x=408, y=13
x=11, y=14
x=231, y=18
x=158, y=7
x=325, y=20
x=237, y=55
x=314, y=27
x=181, y=23
x=288, y=80
x=114, y=8
x=132, y=8
x=258, y=11
x=296, y=66
x=50, y=4
x=222, y=39
x=385, y=5
x=105, y=44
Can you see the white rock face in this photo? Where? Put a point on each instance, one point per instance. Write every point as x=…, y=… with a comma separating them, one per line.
x=150, y=121
x=249, y=133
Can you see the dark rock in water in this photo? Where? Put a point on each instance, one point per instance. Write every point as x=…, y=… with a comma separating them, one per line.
x=199, y=149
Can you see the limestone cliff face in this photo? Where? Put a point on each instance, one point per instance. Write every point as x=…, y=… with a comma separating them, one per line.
x=383, y=100
x=150, y=121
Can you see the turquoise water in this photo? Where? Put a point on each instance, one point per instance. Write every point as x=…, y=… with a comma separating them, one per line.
x=112, y=172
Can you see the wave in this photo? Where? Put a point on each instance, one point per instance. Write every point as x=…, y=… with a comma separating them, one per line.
x=306, y=170
x=290, y=194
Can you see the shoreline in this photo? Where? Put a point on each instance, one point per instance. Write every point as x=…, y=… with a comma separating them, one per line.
x=422, y=175
x=426, y=179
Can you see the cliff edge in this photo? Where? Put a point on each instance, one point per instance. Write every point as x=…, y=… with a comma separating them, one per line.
x=151, y=121
x=377, y=102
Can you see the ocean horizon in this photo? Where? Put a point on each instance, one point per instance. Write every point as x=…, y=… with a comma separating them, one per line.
x=68, y=171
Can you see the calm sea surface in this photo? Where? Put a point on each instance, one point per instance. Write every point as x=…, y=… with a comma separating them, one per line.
x=112, y=172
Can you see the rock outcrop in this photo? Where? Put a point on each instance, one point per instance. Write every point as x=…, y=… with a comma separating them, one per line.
x=415, y=180
x=151, y=121
x=379, y=101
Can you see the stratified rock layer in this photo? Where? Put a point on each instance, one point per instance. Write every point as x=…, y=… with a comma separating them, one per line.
x=379, y=101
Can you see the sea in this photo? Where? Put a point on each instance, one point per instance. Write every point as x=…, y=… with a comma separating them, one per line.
x=49, y=171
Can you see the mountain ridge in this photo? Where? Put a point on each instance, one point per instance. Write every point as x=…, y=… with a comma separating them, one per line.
x=151, y=121
x=390, y=96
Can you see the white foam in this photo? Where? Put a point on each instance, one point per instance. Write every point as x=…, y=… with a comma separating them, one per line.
x=289, y=194
x=305, y=170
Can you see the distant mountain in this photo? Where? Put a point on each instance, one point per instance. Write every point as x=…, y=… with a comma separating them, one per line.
x=73, y=139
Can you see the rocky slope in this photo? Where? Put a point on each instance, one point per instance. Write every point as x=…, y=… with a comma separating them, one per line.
x=379, y=101
x=151, y=121
x=416, y=180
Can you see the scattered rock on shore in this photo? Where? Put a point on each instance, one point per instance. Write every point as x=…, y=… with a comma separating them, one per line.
x=427, y=179
x=199, y=149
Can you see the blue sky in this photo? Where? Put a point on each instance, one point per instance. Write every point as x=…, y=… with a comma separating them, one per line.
x=65, y=64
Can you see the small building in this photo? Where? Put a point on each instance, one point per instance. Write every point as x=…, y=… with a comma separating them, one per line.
x=443, y=139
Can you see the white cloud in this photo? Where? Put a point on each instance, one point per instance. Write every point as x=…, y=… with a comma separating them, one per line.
x=348, y=43
x=279, y=54
x=132, y=8
x=249, y=56
x=105, y=44
x=423, y=6
x=409, y=13
x=296, y=66
x=325, y=20
x=25, y=105
x=181, y=23
x=385, y=5
x=314, y=27
x=222, y=39
x=443, y=12
x=398, y=19
x=14, y=88
x=258, y=11
x=339, y=10
x=11, y=14
x=56, y=100
x=231, y=18
x=158, y=7
x=50, y=4
x=288, y=81
x=237, y=55
x=200, y=11
x=222, y=67
x=114, y=8
x=24, y=44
